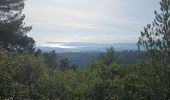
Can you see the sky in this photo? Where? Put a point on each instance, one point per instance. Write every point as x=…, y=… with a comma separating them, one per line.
x=92, y=21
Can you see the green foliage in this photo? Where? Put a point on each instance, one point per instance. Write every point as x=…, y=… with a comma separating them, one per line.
x=155, y=39
x=109, y=57
x=43, y=76
x=66, y=65
x=20, y=75
x=79, y=58
x=51, y=59
x=82, y=59
x=12, y=28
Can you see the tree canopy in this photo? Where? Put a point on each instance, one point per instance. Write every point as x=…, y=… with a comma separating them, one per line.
x=12, y=28
x=44, y=76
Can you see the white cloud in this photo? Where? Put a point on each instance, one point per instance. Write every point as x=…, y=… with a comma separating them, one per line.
x=93, y=38
x=94, y=16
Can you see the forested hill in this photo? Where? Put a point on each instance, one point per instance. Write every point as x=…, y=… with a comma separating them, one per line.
x=80, y=58
x=83, y=58
x=28, y=73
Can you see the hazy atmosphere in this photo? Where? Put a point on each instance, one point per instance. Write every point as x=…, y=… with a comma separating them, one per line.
x=92, y=21
x=84, y=49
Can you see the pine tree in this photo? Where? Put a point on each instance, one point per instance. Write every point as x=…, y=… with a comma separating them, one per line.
x=155, y=39
x=12, y=28
x=156, y=36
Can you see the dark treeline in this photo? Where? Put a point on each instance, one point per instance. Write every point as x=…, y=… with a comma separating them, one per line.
x=29, y=74
x=83, y=58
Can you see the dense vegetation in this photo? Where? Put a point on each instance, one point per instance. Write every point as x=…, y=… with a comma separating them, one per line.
x=82, y=59
x=26, y=73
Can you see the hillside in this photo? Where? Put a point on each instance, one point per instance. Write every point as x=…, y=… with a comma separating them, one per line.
x=83, y=58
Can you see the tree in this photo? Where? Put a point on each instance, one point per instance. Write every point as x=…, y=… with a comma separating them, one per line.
x=64, y=64
x=155, y=39
x=109, y=56
x=12, y=28
x=156, y=36
x=22, y=76
x=51, y=59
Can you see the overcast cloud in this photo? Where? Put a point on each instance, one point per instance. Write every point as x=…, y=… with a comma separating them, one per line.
x=97, y=21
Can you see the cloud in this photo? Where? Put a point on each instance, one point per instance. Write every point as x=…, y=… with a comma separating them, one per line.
x=88, y=20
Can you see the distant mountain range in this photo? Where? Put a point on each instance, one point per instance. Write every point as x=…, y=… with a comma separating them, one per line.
x=85, y=47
